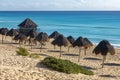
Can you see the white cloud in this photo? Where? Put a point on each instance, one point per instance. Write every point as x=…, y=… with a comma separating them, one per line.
x=59, y=5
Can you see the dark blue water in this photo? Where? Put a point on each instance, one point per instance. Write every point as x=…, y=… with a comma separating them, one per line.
x=95, y=25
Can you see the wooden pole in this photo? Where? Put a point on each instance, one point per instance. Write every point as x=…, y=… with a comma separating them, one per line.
x=60, y=51
x=31, y=43
x=85, y=52
x=2, y=38
x=68, y=48
x=54, y=47
x=19, y=43
x=104, y=58
x=12, y=39
x=79, y=54
x=41, y=47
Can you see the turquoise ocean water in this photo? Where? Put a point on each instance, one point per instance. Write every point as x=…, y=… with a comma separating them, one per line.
x=95, y=25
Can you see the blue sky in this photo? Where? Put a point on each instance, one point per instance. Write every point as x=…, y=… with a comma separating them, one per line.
x=59, y=5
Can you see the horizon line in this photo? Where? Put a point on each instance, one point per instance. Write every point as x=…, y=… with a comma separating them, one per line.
x=62, y=10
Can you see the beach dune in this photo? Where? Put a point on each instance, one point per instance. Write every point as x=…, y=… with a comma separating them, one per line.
x=15, y=67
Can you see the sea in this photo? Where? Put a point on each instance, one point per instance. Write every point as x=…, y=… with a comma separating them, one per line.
x=94, y=25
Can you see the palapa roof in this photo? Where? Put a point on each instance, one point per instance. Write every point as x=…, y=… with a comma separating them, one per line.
x=60, y=41
x=54, y=34
x=71, y=39
x=79, y=42
x=27, y=23
x=42, y=37
x=104, y=47
x=3, y=31
x=20, y=37
x=88, y=43
x=12, y=32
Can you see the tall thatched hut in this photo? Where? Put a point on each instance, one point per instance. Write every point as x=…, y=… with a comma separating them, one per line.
x=26, y=26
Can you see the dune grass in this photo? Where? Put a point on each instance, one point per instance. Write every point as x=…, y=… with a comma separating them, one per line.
x=34, y=55
x=22, y=51
x=65, y=66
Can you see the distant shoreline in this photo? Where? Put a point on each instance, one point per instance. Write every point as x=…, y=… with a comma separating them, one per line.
x=60, y=11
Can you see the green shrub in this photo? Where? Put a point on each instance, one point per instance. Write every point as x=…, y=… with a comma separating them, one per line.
x=34, y=55
x=65, y=66
x=22, y=51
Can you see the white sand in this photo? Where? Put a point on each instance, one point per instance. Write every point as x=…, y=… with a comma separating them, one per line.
x=14, y=67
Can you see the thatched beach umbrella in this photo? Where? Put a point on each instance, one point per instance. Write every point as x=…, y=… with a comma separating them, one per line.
x=103, y=48
x=32, y=34
x=3, y=32
x=60, y=41
x=79, y=42
x=12, y=33
x=71, y=40
x=54, y=35
x=87, y=45
x=42, y=38
x=21, y=38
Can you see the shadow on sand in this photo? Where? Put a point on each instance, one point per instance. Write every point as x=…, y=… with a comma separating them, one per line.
x=90, y=68
x=70, y=54
x=10, y=43
x=42, y=54
x=55, y=51
x=108, y=76
x=90, y=58
x=40, y=48
x=40, y=65
x=111, y=64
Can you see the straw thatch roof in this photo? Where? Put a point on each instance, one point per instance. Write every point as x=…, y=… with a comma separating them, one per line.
x=3, y=31
x=42, y=37
x=60, y=41
x=12, y=32
x=88, y=43
x=71, y=39
x=79, y=42
x=54, y=34
x=26, y=26
x=20, y=37
x=27, y=23
x=104, y=47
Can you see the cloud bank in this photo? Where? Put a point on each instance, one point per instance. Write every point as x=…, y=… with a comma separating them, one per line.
x=59, y=4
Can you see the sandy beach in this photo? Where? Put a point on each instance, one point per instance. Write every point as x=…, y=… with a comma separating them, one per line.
x=15, y=67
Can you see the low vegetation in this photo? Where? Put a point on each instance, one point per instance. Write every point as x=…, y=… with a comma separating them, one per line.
x=34, y=55
x=65, y=66
x=22, y=51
